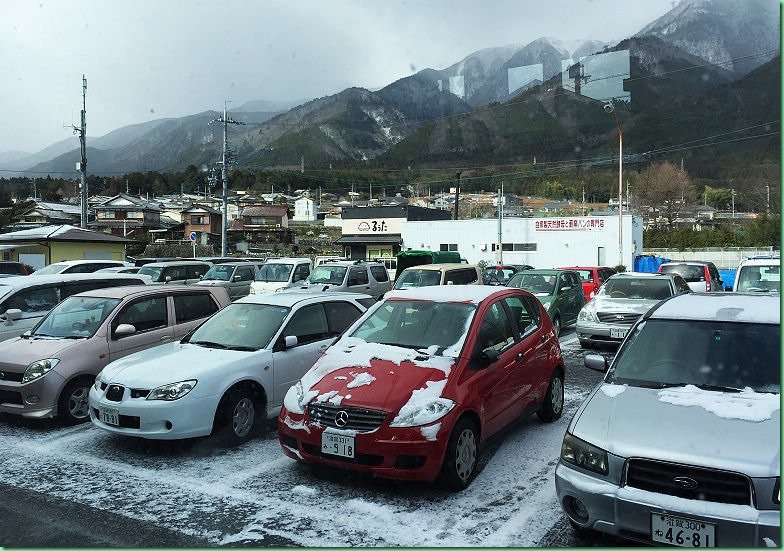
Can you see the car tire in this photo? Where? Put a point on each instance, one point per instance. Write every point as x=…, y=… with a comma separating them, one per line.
x=462, y=454
x=238, y=418
x=585, y=344
x=72, y=405
x=553, y=405
x=557, y=326
x=582, y=532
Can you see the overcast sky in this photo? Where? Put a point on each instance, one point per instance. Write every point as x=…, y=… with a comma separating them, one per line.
x=149, y=59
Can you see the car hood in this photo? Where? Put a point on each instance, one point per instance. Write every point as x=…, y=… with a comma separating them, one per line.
x=268, y=285
x=636, y=422
x=636, y=305
x=19, y=352
x=213, y=282
x=169, y=363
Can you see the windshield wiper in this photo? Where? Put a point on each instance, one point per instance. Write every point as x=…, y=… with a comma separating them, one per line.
x=241, y=348
x=720, y=388
x=209, y=344
x=401, y=345
x=73, y=337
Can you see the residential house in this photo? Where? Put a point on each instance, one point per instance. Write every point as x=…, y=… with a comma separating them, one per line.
x=261, y=227
x=134, y=217
x=205, y=221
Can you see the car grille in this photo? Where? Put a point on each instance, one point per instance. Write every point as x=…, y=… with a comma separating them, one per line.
x=619, y=318
x=695, y=482
x=11, y=376
x=362, y=420
x=115, y=393
x=9, y=397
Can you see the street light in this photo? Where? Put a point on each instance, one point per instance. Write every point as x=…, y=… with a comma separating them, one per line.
x=610, y=108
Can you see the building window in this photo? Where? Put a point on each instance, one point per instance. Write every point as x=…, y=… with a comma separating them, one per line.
x=515, y=247
x=263, y=221
x=134, y=214
x=448, y=247
x=199, y=219
x=105, y=214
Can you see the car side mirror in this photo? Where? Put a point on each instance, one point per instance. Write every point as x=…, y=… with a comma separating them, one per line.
x=237, y=278
x=167, y=279
x=201, y=276
x=563, y=290
x=596, y=362
x=290, y=341
x=27, y=333
x=124, y=329
x=487, y=357
x=11, y=315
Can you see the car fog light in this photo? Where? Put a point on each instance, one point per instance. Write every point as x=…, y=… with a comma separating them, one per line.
x=168, y=425
x=33, y=399
x=576, y=509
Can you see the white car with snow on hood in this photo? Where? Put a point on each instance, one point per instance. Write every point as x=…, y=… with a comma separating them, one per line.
x=227, y=376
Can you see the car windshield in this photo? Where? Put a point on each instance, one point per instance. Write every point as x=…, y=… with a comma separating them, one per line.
x=418, y=278
x=497, y=275
x=219, y=272
x=240, y=327
x=274, y=272
x=708, y=354
x=689, y=272
x=153, y=271
x=323, y=274
x=4, y=290
x=585, y=275
x=642, y=288
x=759, y=279
x=419, y=324
x=55, y=268
x=538, y=284
x=75, y=317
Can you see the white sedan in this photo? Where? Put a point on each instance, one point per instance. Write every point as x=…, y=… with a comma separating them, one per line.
x=226, y=377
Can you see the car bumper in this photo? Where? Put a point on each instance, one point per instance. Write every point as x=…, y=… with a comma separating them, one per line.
x=36, y=399
x=598, y=333
x=628, y=514
x=156, y=419
x=397, y=453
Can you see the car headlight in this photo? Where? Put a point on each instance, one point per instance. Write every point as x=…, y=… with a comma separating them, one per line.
x=173, y=391
x=39, y=369
x=777, y=492
x=587, y=314
x=585, y=455
x=422, y=414
x=98, y=380
x=294, y=399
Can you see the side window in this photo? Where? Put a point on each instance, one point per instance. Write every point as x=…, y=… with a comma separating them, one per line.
x=176, y=273
x=193, y=306
x=460, y=277
x=32, y=301
x=82, y=269
x=357, y=276
x=575, y=281
x=245, y=273
x=301, y=272
x=379, y=273
x=308, y=324
x=195, y=271
x=495, y=331
x=681, y=286
x=145, y=314
x=69, y=289
x=524, y=316
x=340, y=315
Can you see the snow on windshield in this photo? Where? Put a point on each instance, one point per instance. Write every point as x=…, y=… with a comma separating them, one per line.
x=745, y=405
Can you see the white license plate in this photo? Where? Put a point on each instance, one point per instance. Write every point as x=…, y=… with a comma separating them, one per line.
x=618, y=333
x=337, y=444
x=682, y=532
x=109, y=416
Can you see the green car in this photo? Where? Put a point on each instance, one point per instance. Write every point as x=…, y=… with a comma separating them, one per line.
x=560, y=291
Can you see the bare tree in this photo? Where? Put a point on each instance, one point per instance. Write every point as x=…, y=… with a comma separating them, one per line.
x=666, y=190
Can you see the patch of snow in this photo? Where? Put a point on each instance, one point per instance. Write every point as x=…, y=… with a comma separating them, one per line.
x=366, y=507
x=745, y=405
x=360, y=379
x=304, y=490
x=341, y=378
x=612, y=390
x=673, y=505
x=295, y=425
x=326, y=396
x=769, y=542
x=343, y=432
x=431, y=432
x=293, y=450
x=421, y=397
x=336, y=400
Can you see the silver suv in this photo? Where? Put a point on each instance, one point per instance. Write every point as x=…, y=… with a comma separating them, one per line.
x=354, y=276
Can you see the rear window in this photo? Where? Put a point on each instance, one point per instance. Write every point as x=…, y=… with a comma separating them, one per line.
x=689, y=272
x=11, y=268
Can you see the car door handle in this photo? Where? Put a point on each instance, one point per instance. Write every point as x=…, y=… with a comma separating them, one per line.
x=165, y=337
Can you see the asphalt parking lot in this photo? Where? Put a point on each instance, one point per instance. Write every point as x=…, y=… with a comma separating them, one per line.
x=79, y=486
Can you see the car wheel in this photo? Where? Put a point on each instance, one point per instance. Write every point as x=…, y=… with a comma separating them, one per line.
x=237, y=419
x=461, y=454
x=557, y=326
x=552, y=408
x=582, y=532
x=73, y=406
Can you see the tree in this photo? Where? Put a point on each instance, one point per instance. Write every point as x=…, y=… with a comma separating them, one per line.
x=666, y=190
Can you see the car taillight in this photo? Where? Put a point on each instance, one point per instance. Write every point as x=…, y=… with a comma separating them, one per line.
x=707, y=280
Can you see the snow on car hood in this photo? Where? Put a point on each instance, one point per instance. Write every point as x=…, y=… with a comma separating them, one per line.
x=395, y=373
x=170, y=363
x=604, y=303
x=641, y=422
x=22, y=352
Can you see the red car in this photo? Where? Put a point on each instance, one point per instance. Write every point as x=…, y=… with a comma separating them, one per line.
x=592, y=277
x=417, y=384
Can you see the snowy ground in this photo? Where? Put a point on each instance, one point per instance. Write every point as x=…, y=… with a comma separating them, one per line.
x=253, y=495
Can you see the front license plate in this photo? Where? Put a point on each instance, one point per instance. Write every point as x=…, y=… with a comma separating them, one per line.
x=683, y=532
x=337, y=444
x=618, y=333
x=109, y=416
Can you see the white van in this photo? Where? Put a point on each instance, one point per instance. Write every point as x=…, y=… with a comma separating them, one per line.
x=24, y=300
x=758, y=275
x=279, y=273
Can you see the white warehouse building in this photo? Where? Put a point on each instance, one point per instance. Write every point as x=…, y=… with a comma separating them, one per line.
x=539, y=242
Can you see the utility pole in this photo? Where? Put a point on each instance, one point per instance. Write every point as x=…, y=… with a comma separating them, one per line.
x=767, y=201
x=583, y=200
x=500, y=254
x=226, y=121
x=457, y=192
x=81, y=166
x=733, y=203
x=302, y=164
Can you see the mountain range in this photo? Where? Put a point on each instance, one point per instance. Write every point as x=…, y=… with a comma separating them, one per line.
x=504, y=104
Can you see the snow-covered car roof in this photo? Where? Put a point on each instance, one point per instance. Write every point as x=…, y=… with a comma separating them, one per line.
x=734, y=307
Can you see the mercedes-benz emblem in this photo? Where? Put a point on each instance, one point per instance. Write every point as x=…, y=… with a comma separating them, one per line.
x=685, y=482
x=341, y=419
